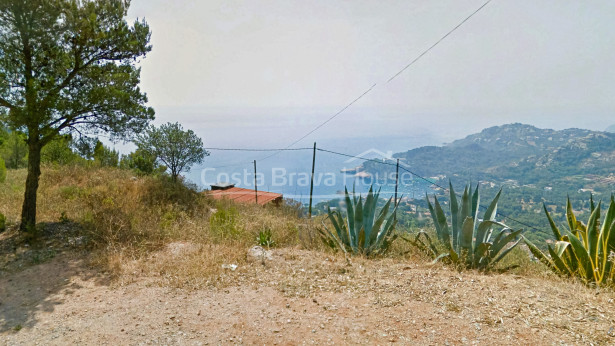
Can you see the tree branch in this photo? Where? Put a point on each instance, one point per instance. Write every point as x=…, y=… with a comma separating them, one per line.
x=5, y=103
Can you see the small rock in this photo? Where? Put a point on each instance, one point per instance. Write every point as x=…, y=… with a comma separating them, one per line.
x=257, y=253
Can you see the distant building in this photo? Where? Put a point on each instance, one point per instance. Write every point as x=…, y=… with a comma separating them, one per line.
x=237, y=194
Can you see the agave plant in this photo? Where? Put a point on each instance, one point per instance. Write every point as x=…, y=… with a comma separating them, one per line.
x=468, y=240
x=363, y=230
x=586, y=251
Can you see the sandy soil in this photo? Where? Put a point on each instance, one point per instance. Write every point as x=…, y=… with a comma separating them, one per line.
x=300, y=297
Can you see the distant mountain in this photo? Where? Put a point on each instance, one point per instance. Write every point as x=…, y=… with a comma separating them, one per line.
x=514, y=152
x=610, y=129
x=535, y=167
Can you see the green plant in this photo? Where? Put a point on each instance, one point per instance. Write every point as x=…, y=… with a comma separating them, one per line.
x=585, y=251
x=224, y=222
x=468, y=241
x=363, y=231
x=175, y=148
x=64, y=217
x=2, y=171
x=265, y=238
x=2, y=223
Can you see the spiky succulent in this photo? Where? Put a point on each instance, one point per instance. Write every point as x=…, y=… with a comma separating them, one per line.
x=585, y=251
x=468, y=240
x=363, y=230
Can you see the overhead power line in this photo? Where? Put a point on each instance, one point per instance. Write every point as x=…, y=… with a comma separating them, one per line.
x=438, y=42
x=249, y=149
x=390, y=79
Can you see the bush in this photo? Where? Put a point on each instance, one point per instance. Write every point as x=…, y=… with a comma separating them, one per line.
x=2, y=171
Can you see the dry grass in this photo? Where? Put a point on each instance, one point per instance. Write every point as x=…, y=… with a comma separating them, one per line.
x=153, y=225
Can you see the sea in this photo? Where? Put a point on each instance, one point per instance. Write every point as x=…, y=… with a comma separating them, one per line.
x=289, y=172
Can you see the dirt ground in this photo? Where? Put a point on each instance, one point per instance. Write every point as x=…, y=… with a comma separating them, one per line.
x=300, y=297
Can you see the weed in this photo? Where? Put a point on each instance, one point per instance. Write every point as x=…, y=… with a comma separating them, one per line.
x=265, y=238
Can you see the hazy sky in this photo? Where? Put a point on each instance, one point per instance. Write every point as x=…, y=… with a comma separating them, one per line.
x=264, y=73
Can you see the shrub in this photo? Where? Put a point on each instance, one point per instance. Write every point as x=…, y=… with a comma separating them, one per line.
x=2, y=171
x=223, y=223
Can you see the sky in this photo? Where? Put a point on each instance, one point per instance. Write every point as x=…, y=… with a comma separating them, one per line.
x=264, y=73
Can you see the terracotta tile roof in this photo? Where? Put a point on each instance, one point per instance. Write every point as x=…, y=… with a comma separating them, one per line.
x=238, y=194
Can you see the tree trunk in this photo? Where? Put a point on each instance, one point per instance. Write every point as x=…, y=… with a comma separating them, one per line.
x=28, y=211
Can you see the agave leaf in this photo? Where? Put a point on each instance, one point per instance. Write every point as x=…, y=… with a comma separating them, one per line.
x=503, y=241
x=592, y=206
x=475, y=204
x=562, y=245
x=387, y=234
x=465, y=238
x=466, y=206
x=454, y=256
x=454, y=207
x=554, y=229
x=373, y=234
x=430, y=243
x=593, y=233
x=443, y=232
x=349, y=212
x=369, y=211
x=332, y=239
x=388, y=230
x=538, y=254
x=493, y=208
x=358, y=223
x=343, y=230
x=559, y=264
x=441, y=257
x=572, y=220
x=334, y=222
x=570, y=259
x=608, y=233
x=609, y=238
x=583, y=257
x=361, y=244
x=481, y=251
x=482, y=233
x=505, y=252
x=426, y=246
x=498, y=236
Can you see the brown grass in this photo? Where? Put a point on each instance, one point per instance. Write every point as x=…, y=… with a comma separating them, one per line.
x=136, y=223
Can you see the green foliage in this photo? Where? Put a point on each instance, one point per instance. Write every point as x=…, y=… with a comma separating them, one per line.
x=14, y=150
x=583, y=250
x=224, y=222
x=142, y=162
x=364, y=231
x=175, y=148
x=265, y=238
x=59, y=151
x=2, y=171
x=468, y=241
x=63, y=217
x=69, y=66
x=2, y=223
x=105, y=156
